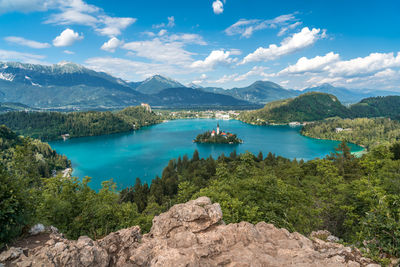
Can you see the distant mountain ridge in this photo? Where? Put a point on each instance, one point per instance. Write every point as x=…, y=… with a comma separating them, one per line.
x=348, y=96
x=156, y=84
x=68, y=85
x=258, y=92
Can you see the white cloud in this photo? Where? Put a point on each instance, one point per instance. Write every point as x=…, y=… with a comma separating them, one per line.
x=283, y=30
x=365, y=66
x=161, y=51
x=25, y=5
x=114, y=25
x=133, y=70
x=187, y=38
x=216, y=57
x=226, y=78
x=170, y=24
x=296, y=42
x=218, y=7
x=111, y=45
x=75, y=12
x=235, y=52
x=200, y=79
x=246, y=28
x=162, y=32
x=67, y=38
x=316, y=64
x=69, y=52
x=255, y=71
x=26, y=42
x=7, y=55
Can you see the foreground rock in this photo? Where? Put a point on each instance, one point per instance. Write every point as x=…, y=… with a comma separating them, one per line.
x=190, y=234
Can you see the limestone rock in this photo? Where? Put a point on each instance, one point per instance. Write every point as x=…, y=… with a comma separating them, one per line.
x=37, y=229
x=191, y=234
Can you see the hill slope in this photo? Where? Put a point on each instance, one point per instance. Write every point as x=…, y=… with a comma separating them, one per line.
x=306, y=107
x=388, y=106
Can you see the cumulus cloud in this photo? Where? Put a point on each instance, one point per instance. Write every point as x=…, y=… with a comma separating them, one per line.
x=255, y=71
x=161, y=51
x=7, y=55
x=200, y=79
x=77, y=12
x=296, y=42
x=26, y=5
x=246, y=27
x=216, y=57
x=111, y=45
x=283, y=30
x=68, y=52
x=26, y=42
x=218, y=7
x=131, y=69
x=67, y=38
x=235, y=52
x=74, y=12
x=226, y=78
x=187, y=38
x=170, y=24
x=364, y=66
x=316, y=64
x=114, y=25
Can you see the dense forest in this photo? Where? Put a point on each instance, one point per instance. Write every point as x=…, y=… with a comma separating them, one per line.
x=51, y=125
x=357, y=199
x=361, y=131
x=315, y=106
x=311, y=106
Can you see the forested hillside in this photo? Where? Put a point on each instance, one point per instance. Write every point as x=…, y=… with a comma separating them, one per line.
x=388, y=106
x=357, y=199
x=361, y=131
x=307, y=107
x=315, y=106
x=51, y=125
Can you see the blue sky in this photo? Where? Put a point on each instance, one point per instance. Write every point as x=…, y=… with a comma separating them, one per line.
x=224, y=43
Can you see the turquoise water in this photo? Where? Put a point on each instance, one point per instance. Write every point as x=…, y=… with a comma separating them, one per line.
x=144, y=153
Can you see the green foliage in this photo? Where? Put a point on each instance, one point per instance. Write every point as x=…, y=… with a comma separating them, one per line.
x=357, y=199
x=361, y=131
x=315, y=106
x=207, y=137
x=23, y=164
x=51, y=125
x=388, y=106
x=306, y=107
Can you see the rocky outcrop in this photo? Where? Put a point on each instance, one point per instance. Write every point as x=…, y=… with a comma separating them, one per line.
x=191, y=234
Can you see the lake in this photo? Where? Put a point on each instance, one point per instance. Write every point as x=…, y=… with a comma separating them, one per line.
x=144, y=153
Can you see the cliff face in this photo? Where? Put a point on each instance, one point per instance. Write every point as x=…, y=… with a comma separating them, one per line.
x=190, y=234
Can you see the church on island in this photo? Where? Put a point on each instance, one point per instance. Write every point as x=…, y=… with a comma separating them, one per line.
x=213, y=133
x=218, y=137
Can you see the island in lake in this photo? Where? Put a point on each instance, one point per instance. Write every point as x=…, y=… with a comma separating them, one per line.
x=218, y=137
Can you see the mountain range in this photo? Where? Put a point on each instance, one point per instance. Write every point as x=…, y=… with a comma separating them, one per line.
x=68, y=86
